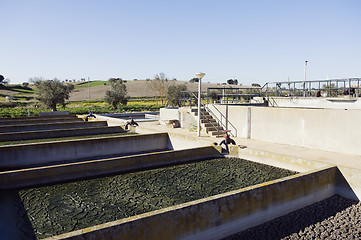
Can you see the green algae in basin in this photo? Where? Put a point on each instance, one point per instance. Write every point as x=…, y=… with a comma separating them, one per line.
x=62, y=208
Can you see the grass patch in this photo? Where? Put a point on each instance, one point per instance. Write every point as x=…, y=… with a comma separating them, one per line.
x=91, y=84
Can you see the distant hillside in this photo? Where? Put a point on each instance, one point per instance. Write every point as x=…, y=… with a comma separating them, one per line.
x=139, y=88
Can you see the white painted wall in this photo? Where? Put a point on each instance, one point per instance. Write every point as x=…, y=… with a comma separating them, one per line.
x=167, y=114
x=237, y=116
x=321, y=102
x=335, y=130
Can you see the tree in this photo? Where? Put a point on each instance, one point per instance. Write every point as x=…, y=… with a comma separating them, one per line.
x=117, y=94
x=1, y=79
x=193, y=80
x=174, y=94
x=213, y=95
x=255, y=85
x=52, y=92
x=159, y=85
x=232, y=81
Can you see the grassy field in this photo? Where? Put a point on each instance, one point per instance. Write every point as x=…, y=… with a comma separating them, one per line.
x=85, y=98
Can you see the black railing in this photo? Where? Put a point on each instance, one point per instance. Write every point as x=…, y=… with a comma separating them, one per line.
x=220, y=122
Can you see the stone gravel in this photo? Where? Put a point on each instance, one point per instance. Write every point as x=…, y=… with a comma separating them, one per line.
x=332, y=218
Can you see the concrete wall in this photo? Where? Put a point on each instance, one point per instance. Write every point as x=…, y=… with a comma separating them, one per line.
x=50, y=126
x=348, y=183
x=23, y=155
x=36, y=117
x=58, y=133
x=187, y=119
x=187, y=141
x=321, y=102
x=333, y=130
x=222, y=215
x=72, y=171
x=237, y=116
x=57, y=113
x=39, y=120
x=167, y=114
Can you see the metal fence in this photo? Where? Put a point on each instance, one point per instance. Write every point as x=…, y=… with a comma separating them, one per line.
x=243, y=95
x=317, y=88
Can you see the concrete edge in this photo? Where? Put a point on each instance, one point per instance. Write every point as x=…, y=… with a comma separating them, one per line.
x=86, y=169
x=79, y=140
x=221, y=215
x=28, y=135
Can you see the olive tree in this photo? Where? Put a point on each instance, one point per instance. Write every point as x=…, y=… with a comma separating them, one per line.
x=159, y=85
x=117, y=94
x=52, y=92
x=174, y=94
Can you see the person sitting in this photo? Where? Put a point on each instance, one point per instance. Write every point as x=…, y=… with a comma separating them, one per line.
x=227, y=140
x=131, y=123
x=91, y=115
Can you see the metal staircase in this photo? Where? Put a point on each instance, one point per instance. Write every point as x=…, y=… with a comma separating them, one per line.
x=209, y=120
x=212, y=127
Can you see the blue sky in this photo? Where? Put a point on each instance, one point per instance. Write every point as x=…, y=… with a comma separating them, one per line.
x=255, y=41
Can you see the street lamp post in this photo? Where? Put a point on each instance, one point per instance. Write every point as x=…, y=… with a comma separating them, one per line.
x=199, y=75
x=304, y=81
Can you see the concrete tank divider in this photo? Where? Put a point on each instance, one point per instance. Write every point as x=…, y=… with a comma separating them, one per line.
x=222, y=215
x=278, y=160
x=348, y=182
x=23, y=155
x=59, y=133
x=72, y=171
x=50, y=126
x=36, y=117
x=39, y=120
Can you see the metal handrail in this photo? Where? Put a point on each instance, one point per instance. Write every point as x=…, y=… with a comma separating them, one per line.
x=220, y=121
x=202, y=105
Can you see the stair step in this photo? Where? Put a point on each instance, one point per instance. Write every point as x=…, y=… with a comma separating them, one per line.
x=202, y=114
x=212, y=129
x=196, y=109
x=216, y=133
x=211, y=125
x=209, y=121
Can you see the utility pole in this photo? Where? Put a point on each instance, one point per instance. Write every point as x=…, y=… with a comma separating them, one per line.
x=88, y=88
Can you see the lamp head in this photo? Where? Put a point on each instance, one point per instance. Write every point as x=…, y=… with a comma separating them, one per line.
x=200, y=75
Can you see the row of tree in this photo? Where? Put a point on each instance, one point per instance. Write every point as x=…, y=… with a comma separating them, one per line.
x=161, y=86
x=53, y=92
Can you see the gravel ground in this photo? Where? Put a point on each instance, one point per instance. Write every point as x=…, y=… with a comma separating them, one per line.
x=333, y=218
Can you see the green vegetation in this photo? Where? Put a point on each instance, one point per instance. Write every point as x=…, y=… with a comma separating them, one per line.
x=24, y=103
x=25, y=111
x=174, y=94
x=117, y=94
x=53, y=92
x=90, y=84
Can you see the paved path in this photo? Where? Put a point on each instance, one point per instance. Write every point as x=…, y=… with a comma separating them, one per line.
x=346, y=160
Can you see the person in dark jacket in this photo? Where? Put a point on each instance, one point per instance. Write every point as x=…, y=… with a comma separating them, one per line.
x=227, y=140
x=131, y=123
x=91, y=115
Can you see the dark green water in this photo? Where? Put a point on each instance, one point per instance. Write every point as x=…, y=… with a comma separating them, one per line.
x=62, y=208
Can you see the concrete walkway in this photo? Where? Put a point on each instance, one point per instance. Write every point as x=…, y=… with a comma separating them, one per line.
x=333, y=158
